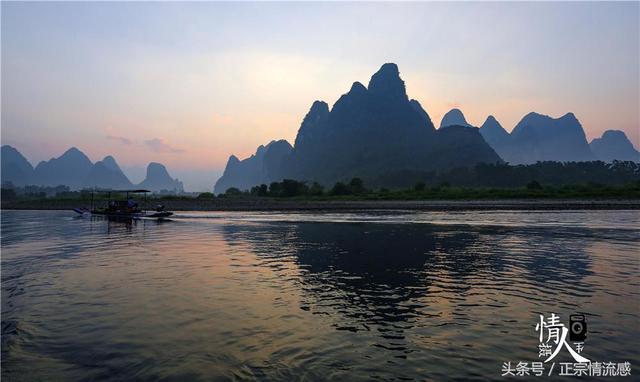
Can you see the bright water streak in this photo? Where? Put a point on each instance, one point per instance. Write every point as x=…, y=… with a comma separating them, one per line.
x=348, y=296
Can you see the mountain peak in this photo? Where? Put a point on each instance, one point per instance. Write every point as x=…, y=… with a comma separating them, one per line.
x=357, y=87
x=614, y=134
x=313, y=121
x=454, y=117
x=260, y=150
x=491, y=119
x=541, y=137
x=492, y=123
x=155, y=166
x=318, y=108
x=15, y=167
x=72, y=151
x=496, y=136
x=75, y=154
x=10, y=153
x=106, y=174
x=614, y=145
x=69, y=169
x=390, y=68
x=110, y=163
x=158, y=179
x=386, y=82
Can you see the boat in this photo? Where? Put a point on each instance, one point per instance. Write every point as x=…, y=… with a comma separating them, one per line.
x=127, y=208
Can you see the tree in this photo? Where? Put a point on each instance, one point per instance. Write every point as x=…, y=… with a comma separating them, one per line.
x=206, y=195
x=264, y=190
x=316, y=189
x=261, y=190
x=275, y=189
x=233, y=191
x=8, y=193
x=292, y=187
x=356, y=186
x=340, y=189
x=419, y=186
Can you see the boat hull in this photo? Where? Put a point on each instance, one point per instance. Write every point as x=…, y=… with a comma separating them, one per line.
x=123, y=215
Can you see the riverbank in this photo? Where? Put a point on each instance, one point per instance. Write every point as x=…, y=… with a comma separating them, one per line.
x=268, y=204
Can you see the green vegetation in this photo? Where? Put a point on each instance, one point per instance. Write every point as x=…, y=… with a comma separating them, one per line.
x=544, y=180
x=484, y=181
x=206, y=195
x=355, y=190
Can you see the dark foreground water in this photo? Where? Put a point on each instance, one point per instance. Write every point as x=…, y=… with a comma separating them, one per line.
x=263, y=296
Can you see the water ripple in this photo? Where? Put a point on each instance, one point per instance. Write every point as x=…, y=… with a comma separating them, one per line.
x=299, y=296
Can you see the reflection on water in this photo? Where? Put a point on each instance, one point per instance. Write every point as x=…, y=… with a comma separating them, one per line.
x=356, y=296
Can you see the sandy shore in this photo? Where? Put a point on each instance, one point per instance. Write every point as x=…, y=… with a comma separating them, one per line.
x=297, y=205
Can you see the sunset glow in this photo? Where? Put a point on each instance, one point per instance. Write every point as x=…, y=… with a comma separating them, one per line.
x=190, y=84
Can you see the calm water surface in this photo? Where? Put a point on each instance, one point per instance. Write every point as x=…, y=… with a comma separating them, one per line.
x=348, y=296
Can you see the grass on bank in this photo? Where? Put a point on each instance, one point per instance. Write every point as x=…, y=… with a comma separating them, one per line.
x=419, y=192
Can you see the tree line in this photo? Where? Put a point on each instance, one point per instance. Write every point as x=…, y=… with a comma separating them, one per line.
x=539, y=176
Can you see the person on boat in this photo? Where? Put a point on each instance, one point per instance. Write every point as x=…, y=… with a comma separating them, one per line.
x=132, y=206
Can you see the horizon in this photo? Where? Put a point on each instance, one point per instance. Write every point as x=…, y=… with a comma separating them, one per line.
x=153, y=96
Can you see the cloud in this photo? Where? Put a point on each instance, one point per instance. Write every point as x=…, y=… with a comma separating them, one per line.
x=123, y=140
x=160, y=146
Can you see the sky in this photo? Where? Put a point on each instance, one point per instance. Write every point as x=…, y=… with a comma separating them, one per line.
x=188, y=84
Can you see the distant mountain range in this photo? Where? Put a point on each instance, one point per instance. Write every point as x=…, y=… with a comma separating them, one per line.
x=539, y=137
x=376, y=133
x=75, y=169
x=379, y=134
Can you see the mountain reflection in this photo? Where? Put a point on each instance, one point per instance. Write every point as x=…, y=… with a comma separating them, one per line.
x=387, y=277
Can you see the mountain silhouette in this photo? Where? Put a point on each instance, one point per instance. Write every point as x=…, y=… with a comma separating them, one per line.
x=15, y=167
x=497, y=137
x=75, y=170
x=262, y=167
x=427, y=120
x=110, y=162
x=376, y=133
x=158, y=179
x=454, y=117
x=106, y=174
x=69, y=169
x=537, y=138
x=493, y=132
x=614, y=145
